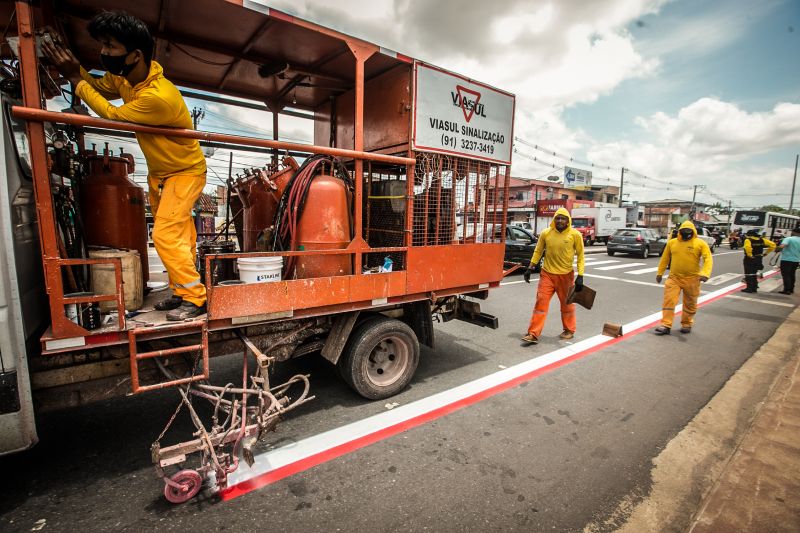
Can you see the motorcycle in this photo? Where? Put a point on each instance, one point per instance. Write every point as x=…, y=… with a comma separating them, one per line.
x=734, y=241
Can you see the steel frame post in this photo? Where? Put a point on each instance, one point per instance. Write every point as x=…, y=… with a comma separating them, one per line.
x=32, y=98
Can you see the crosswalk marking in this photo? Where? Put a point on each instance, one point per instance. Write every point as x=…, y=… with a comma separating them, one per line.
x=769, y=285
x=643, y=270
x=625, y=265
x=593, y=263
x=723, y=278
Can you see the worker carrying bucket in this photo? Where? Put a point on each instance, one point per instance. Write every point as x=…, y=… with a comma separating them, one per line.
x=176, y=166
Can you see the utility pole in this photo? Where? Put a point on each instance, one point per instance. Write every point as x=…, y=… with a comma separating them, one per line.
x=621, y=183
x=794, y=180
x=729, y=216
x=694, y=196
x=197, y=115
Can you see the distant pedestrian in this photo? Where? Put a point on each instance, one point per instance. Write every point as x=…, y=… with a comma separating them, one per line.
x=790, y=259
x=690, y=263
x=560, y=244
x=755, y=248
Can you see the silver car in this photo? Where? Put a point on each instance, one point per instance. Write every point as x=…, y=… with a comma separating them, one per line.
x=637, y=241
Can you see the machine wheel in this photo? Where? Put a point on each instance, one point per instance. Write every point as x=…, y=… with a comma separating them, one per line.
x=610, y=253
x=191, y=482
x=380, y=358
x=645, y=252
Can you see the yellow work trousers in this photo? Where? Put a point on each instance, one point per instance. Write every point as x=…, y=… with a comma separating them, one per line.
x=174, y=234
x=672, y=290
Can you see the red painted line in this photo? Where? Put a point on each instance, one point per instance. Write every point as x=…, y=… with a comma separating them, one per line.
x=267, y=478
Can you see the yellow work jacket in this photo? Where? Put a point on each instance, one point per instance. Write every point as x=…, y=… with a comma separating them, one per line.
x=154, y=102
x=769, y=246
x=559, y=247
x=683, y=257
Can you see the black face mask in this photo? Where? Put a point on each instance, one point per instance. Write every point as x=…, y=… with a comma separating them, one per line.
x=116, y=64
x=686, y=235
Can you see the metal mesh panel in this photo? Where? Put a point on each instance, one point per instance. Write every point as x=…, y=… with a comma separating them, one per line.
x=384, y=208
x=458, y=201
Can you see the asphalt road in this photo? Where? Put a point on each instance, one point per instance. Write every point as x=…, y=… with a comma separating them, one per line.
x=554, y=452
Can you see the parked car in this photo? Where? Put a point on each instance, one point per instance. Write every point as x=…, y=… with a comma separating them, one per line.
x=521, y=224
x=520, y=242
x=705, y=235
x=638, y=241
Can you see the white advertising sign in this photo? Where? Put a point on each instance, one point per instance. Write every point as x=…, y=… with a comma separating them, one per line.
x=575, y=178
x=456, y=115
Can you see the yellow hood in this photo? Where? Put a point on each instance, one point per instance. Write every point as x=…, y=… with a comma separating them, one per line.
x=689, y=224
x=561, y=211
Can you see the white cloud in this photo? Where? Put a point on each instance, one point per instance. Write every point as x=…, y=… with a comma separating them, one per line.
x=711, y=143
x=710, y=128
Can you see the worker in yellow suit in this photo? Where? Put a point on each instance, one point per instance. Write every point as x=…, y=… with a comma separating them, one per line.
x=176, y=166
x=559, y=245
x=689, y=260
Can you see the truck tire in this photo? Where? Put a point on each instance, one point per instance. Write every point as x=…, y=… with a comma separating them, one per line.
x=380, y=358
x=610, y=253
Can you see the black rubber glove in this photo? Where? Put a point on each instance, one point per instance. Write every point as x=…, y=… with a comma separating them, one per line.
x=527, y=275
x=578, y=283
x=536, y=268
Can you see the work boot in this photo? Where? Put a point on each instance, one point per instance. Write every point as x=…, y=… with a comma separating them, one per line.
x=749, y=290
x=662, y=330
x=685, y=329
x=186, y=310
x=530, y=339
x=566, y=334
x=173, y=302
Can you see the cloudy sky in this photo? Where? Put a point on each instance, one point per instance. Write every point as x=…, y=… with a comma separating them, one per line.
x=681, y=92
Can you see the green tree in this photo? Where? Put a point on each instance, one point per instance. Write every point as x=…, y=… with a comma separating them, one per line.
x=772, y=207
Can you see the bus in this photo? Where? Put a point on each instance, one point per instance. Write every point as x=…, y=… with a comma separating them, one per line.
x=773, y=225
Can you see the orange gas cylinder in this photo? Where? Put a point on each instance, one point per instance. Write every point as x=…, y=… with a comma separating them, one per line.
x=324, y=225
x=112, y=205
x=260, y=193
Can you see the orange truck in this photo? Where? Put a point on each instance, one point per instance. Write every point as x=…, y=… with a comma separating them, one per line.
x=346, y=249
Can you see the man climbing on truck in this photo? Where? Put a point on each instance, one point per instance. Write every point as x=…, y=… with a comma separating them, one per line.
x=176, y=166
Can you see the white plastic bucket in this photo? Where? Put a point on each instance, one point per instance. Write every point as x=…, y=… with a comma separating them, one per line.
x=260, y=269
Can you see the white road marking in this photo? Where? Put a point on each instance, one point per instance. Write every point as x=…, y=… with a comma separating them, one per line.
x=728, y=253
x=759, y=300
x=594, y=263
x=626, y=265
x=635, y=282
x=519, y=281
x=722, y=278
x=769, y=285
x=643, y=270
x=308, y=452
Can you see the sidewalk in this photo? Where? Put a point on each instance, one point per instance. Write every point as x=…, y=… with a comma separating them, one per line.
x=759, y=490
x=736, y=465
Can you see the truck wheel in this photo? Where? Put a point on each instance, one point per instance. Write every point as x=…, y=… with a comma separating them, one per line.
x=380, y=358
x=610, y=253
